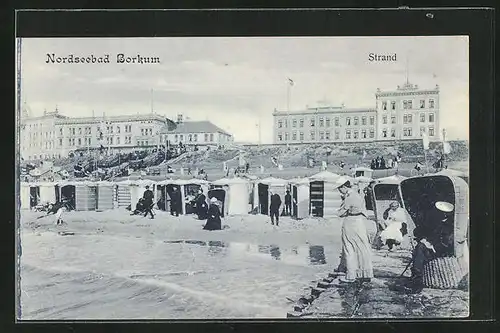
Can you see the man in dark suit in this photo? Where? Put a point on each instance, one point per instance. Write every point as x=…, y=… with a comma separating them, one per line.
x=274, y=208
x=148, y=202
x=175, y=202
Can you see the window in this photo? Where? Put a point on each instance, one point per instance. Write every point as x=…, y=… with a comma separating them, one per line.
x=60, y=142
x=431, y=131
x=176, y=137
x=312, y=122
x=327, y=135
x=337, y=135
x=60, y=131
x=363, y=134
x=301, y=136
x=90, y=141
x=286, y=136
x=384, y=105
x=321, y=122
x=301, y=122
x=69, y=142
x=384, y=119
x=356, y=134
x=321, y=135
x=294, y=123
x=348, y=121
x=405, y=119
x=356, y=121
x=422, y=117
x=195, y=137
x=422, y=103
x=206, y=137
x=117, y=129
x=384, y=133
x=372, y=134
x=431, y=117
x=286, y=123
x=372, y=121
x=409, y=105
x=111, y=140
x=181, y=137
x=142, y=131
x=280, y=124
x=410, y=131
x=405, y=105
x=79, y=131
x=393, y=105
x=405, y=131
x=363, y=121
x=422, y=131
x=117, y=140
x=211, y=137
x=280, y=137
x=410, y=119
x=294, y=136
x=347, y=134
x=110, y=129
x=313, y=135
x=393, y=132
x=327, y=121
x=393, y=119
x=336, y=121
x=431, y=104
x=79, y=141
x=190, y=137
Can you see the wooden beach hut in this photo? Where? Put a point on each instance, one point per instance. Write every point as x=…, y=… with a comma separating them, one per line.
x=420, y=195
x=325, y=199
x=362, y=172
x=82, y=196
x=300, y=192
x=189, y=189
x=105, y=196
x=236, y=196
x=267, y=186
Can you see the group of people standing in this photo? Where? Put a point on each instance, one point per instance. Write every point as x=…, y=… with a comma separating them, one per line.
x=380, y=163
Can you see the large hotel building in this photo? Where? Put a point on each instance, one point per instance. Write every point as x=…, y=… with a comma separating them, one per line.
x=402, y=114
x=54, y=135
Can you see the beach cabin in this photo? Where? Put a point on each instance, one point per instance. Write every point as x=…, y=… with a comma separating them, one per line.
x=81, y=196
x=300, y=189
x=362, y=172
x=123, y=193
x=189, y=189
x=163, y=188
x=420, y=195
x=236, y=196
x=24, y=195
x=383, y=192
x=325, y=199
x=49, y=192
x=267, y=186
x=105, y=196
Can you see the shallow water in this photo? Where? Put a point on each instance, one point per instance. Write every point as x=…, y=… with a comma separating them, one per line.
x=115, y=277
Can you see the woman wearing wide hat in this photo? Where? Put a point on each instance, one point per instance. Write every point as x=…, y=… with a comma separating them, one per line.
x=356, y=248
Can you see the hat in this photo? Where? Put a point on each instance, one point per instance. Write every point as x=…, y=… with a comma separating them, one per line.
x=444, y=206
x=214, y=199
x=147, y=186
x=342, y=181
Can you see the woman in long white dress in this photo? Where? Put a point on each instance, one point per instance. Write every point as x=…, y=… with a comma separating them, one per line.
x=356, y=248
x=395, y=226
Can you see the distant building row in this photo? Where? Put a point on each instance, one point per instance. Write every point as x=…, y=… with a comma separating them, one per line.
x=404, y=114
x=54, y=135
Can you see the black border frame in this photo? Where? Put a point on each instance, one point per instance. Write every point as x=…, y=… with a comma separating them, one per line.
x=477, y=23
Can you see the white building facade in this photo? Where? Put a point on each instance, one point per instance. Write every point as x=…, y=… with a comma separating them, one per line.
x=325, y=124
x=54, y=135
x=407, y=113
x=193, y=133
x=402, y=114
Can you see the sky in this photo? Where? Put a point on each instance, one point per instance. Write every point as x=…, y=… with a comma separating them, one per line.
x=237, y=82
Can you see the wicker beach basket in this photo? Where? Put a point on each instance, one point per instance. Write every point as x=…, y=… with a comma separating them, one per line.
x=443, y=273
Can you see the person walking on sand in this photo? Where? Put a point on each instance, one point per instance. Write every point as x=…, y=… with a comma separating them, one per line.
x=274, y=208
x=356, y=249
x=148, y=202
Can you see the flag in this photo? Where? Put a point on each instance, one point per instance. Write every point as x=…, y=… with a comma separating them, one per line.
x=290, y=81
x=364, y=154
x=446, y=148
x=425, y=141
x=324, y=165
